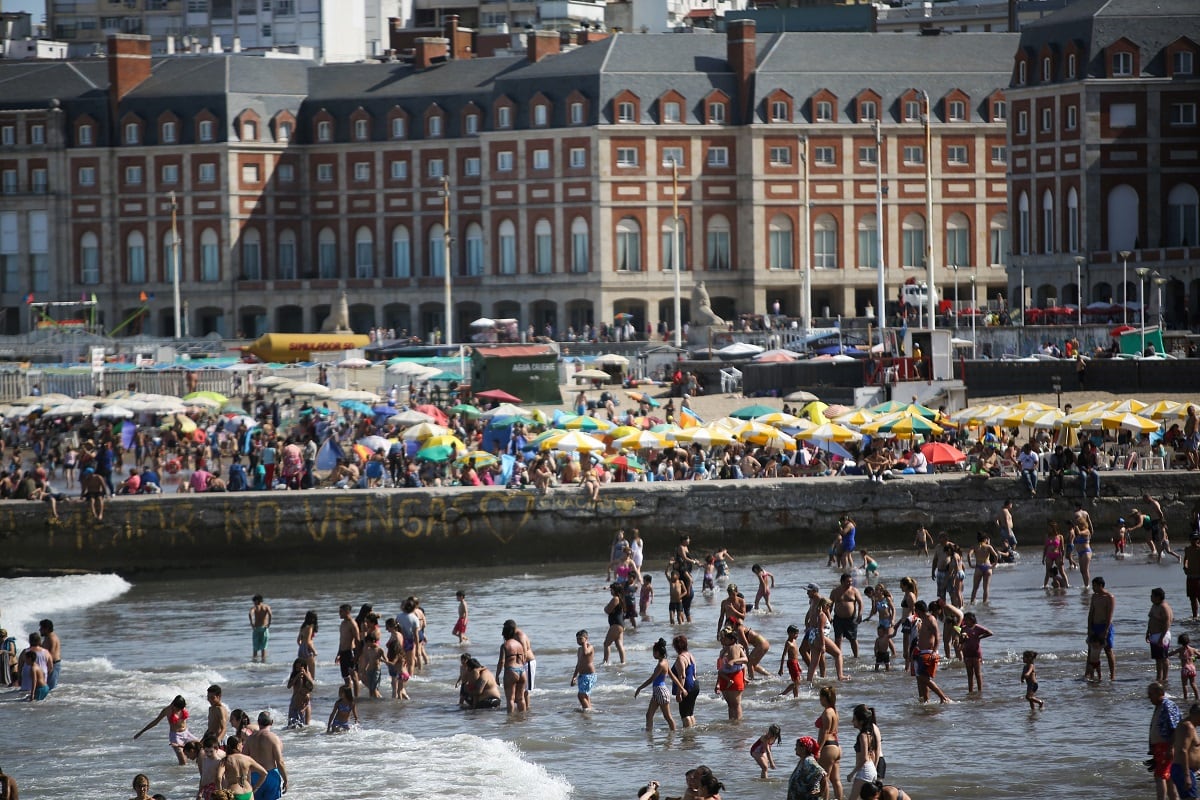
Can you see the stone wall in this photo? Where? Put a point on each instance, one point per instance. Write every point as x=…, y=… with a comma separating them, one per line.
x=327, y=530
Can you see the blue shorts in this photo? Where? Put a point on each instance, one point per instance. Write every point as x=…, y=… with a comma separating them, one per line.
x=272, y=786
x=1105, y=633
x=1185, y=781
x=586, y=682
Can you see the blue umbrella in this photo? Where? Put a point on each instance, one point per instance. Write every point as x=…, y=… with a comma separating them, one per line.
x=837, y=350
x=356, y=406
x=386, y=411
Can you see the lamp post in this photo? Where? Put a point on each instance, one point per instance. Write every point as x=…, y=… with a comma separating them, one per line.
x=956, y=303
x=806, y=299
x=446, y=238
x=1124, y=254
x=1142, y=272
x=931, y=297
x=175, y=265
x=1022, y=305
x=1160, y=282
x=881, y=314
x=675, y=249
x=1079, y=287
x=974, y=314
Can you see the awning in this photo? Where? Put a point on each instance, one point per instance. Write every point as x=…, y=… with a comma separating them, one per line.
x=701, y=13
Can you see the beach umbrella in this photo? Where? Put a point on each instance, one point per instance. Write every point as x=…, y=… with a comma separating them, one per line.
x=972, y=415
x=270, y=381
x=1046, y=420
x=575, y=441
x=776, y=356
x=195, y=402
x=508, y=422
x=917, y=409
x=800, y=397
x=856, y=417
x=582, y=422
x=232, y=422
x=1163, y=409
x=356, y=406
x=186, y=424
x=1091, y=405
x=891, y=406
x=437, y=454
x=503, y=410
x=446, y=440
x=431, y=410
x=642, y=397
x=484, y=322
x=1128, y=407
x=707, y=436
x=73, y=408
x=667, y=429
x=354, y=362
x=643, y=440
x=422, y=431
x=590, y=375
x=354, y=394
x=1112, y=421
x=909, y=427
x=779, y=419
x=612, y=360
x=446, y=377
x=752, y=411
x=374, y=443
x=113, y=412
x=499, y=395
x=941, y=454
x=411, y=369
x=216, y=397
x=739, y=350
x=466, y=409
x=477, y=459
x=829, y=432
x=308, y=389
x=815, y=412
x=625, y=461
x=1032, y=405
x=408, y=417
x=621, y=431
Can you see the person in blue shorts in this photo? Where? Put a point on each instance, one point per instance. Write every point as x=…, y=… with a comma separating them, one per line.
x=1100, y=621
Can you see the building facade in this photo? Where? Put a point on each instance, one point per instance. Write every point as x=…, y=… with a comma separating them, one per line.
x=558, y=171
x=1105, y=159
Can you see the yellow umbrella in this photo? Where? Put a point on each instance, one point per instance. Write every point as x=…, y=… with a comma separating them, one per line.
x=1046, y=420
x=422, y=431
x=643, y=440
x=1129, y=422
x=573, y=441
x=829, y=432
x=1032, y=405
x=919, y=410
x=975, y=415
x=1090, y=406
x=445, y=440
x=708, y=436
x=779, y=420
x=1127, y=406
x=726, y=423
x=622, y=431
x=910, y=426
x=815, y=411
x=856, y=417
x=765, y=436
x=1162, y=409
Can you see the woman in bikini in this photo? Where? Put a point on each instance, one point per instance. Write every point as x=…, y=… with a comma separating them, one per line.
x=983, y=559
x=343, y=711
x=304, y=641
x=616, y=622
x=301, y=684
x=661, y=697
x=829, y=752
x=1083, y=551
x=237, y=769
x=1053, y=553
x=866, y=754
x=731, y=672
x=512, y=667
x=685, y=670
x=907, y=605
x=176, y=715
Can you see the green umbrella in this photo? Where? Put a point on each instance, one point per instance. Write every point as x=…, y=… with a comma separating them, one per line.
x=436, y=454
x=466, y=409
x=889, y=407
x=750, y=412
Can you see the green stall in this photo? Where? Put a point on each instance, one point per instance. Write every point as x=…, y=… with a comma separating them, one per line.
x=529, y=372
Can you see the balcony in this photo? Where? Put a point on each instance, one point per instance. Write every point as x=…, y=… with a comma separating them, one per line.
x=571, y=10
x=443, y=5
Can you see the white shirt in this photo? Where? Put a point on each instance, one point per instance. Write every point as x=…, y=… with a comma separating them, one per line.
x=1028, y=460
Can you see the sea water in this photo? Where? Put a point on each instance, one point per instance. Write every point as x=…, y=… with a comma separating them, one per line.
x=129, y=648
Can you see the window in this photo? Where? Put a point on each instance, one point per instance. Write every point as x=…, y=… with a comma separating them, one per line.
x=912, y=111
x=40, y=182
x=133, y=175
x=868, y=111
x=914, y=154
x=1072, y=220
x=627, y=157
x=824, y=111
x=1072, y=67
x=324, y=131
x=286, y=261
x=471, y=167
x=398, y=124
x=717, y=244
x=576, y=113
x=133, y=133
x=324, y=173
x=578, y=157
x=1000, y=154
x=1047, y=120
x=667, y=236
x=672, y=155
x=8, y=181
x=541, y=159
x=10, y=249
x=87, y=176
x=362, y=130
x=956, y=154
x=401, y=253
x=326, y=254
x=779, y=111
x=671, y=112
x=718, y=156
x=626, y=112
x=8, y=135
x=399, y=170
x=958, y=111
x=250, y=173
x=629, y=245
x=1022, y=122
x=1072, y=117
x=362, y=171
x=543, y=248
x=37, y=134
x=249, y=131
x=825, y=242
x=504, y=117
x=436, y=168
x=1023, y=222
x=868, y=242
x=507, y=236
x=779, y=243
x=210, y=258
x=364, y=254
x=168, y=133
x=1122, y=115
x=958, y=241
x=251, y=255
x=825, y=156
x=207, y=130
x=999, y=111
x=868, y=155
x=580, y=246
x=1182, y=63
x=86, y=135
x=1122, y=64
x=435, y=127
x=781, y=156
x=472, y=124
x=1047, y=70
x=286, y=173
x=540, y=116
x=1183, y=219
x=1048, y=222
x=89, y=259
x=1183, y=113
x=1021, y=73
x=716, y=114
x=474, y=249
x=912, y=241
x=504, y=161
x=284, y=131
x=998, y=243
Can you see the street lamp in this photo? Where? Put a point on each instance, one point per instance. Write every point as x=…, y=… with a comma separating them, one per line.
x=806, y=299
x=1124, y=254
x=446, y=239
x=1160, y=282
x=974, y=314
x=956, y=303
x=931, y=297
x=175, y=265
x=675, y=249
x=1142, y=272
x=882, y=298
x=1079, y=286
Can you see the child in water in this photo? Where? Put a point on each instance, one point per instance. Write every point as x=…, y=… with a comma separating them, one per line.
x=1029, y=678
x=646, y=598
x=761, y=749
x=766, y=582
x=710, y=575
x=1120, y=540
x=870, y=567
x=301, y=684
x=884, y=647
x=972, y=653
x=791, y=657
x=1187, y=665
x=1095, y=646
x=343, y=710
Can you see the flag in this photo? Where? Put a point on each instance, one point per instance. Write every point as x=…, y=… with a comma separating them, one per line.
x=29, y=298
x=689, y=418
x=143, y=297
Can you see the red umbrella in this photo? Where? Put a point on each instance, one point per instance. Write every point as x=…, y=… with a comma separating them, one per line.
x=499, y=395
x=940, y=453
x=1117, y=331
x=438, y=415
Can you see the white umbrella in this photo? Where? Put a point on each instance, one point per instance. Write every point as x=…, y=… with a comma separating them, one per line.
x=578, y=441
x=406, y=368
x=74, y=408
x=483, y=322
x=590, y=375
x=354, y=394
x=504, y=410
x=612, y=359
x=738, y=349
x=272, y=380
x=312, y=389
x=424, y=430
x=204, y=402
x=113, y=412
x=409, y=417
x=374, y=443
x=354, y=363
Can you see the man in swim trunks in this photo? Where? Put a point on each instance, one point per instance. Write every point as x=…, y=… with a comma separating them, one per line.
x=925, y=660
x=265, y=748
x=1100, y=621
x=847, y=612
x=1158, y=633
x=1163, y=722
x=1004, y=521
x=260, y=623
x=348, y=639
x=584, y=675
x=1185, y=756
x=1191, y=569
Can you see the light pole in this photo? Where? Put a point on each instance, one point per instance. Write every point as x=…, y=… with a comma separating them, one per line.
x=956, y=303
x=1022, y=306
x=1124, y=283
x=806, y=300
x=1160, y=282
x=931, y=297
x=446, y=238
x=175, y=266
x=1142, y=272
x=675, y=250
x=974, y=314
x=881, y=314
x=1079, y=286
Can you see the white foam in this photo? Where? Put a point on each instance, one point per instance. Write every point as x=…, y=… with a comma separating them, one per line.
x=23, y=601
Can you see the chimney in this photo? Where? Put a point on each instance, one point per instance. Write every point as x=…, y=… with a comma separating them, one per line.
x=539, y=44
x=428, y=49
x=237, y=44
x=450, y=31
x=128, y=63
x=742, y=56
x=170, y=45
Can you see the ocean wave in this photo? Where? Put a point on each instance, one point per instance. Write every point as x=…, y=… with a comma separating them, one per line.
x=23, y=601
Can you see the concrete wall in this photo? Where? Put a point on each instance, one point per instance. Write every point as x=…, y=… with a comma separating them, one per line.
x=323, y=530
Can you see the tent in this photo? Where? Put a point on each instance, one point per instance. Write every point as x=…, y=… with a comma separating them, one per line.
x=1131, y=341
x=528, y=371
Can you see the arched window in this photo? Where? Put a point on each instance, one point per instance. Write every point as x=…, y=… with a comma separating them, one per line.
x=958, y=241
x=779, y=243
x=437, y=250
x=1023, y=222
x=1122, y=218
x=89, y=259
x=327, y=253
x=543, y=244
x=135, y=257
x=474, y=249
x=668, y=245
x=629, y=245
x=285, y=265
x=825, y=242
x=718, y=244
x=364, y=253
x=580, y=245
x=210, y=256
x=168, y=258
x=1072, y=220
x=507, y=239
x=251, y=255
x=913, y=241
x=1047, y=222
x=401, y=253
x=868, y=241
x=998, y=240
x=1183, y=224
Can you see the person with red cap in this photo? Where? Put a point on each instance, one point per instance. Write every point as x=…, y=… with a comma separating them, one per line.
x=808, y=775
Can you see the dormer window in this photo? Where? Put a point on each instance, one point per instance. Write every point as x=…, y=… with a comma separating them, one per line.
x=435, y=127
x=324, y=131
x=1182, y=62
x=1072, y=66
x=285, y=131
x=503, y=117
x=540, y=116
x=626, y=112
x=824, y=111
x=576, y=113
x=207, y=130
x=133, y=133
x=868, y=111
x=912, y=110
x=1021, y=73
x=398, y=127
x=362, y=130
x=1122, y=64
x=249, y=131
x=168, y=133
x=958, y=111
x=472, y=124
x=671, y=112
x=86, y=135
x=779, y=111
x=716, y=114
x=1047, y=70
